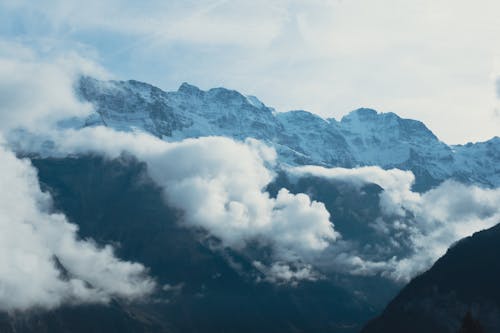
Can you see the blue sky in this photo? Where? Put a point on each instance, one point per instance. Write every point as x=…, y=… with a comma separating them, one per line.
x=436, y=61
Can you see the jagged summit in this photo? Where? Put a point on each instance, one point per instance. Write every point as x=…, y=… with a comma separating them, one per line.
x=220, y=94
x=371, y=116
x=362, y=137
x=187, y=88
x=361, y=113
x=303, y=115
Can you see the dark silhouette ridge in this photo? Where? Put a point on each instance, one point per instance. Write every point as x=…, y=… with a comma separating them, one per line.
x=466, y=277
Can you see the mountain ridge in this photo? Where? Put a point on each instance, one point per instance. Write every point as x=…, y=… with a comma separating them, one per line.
x=361, y=138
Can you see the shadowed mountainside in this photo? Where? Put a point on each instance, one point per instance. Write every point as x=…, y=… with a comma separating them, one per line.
x=465, y=279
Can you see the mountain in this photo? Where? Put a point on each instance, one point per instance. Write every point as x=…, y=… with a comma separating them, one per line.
x=463, y=281
x=204, y=286
x=363, y=137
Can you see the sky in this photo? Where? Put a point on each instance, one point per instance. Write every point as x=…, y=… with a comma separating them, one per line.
x=436, y=61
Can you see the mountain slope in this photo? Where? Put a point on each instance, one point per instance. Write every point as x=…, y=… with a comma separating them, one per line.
x=203, y=287
x=466, y=278
x=364, y=137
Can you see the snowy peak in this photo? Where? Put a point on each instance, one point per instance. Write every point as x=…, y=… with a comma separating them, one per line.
x=361, y=114
x=363, y=118
x=218, y=95
x=302, y=116
x=391, y=141
x=363, y=137
x=188, y=89
x=187, y=112
x=315, y=139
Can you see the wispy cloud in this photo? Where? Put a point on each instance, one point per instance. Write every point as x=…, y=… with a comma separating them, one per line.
x=34, y=243
x=428, y=223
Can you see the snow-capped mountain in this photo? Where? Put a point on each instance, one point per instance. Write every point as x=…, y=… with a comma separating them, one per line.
x=363, y=137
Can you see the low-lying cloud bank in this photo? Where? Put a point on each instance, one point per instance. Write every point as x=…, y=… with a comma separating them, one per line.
x=220, y=185
x=430, y=222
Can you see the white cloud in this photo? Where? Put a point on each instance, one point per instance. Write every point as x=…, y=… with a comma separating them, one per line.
x=37, y=92
x=32, y=240
x=219, y=184
x=397, y=195
x=430, y=222
x=283, y=273
x=225, y=196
